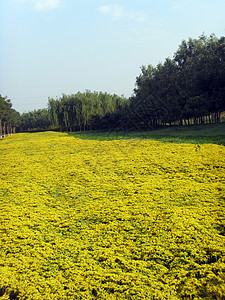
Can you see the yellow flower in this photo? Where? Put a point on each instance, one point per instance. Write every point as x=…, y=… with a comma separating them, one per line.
x=110, y=220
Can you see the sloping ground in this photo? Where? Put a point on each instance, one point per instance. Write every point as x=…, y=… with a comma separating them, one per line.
x=195, y=134
x=111, y=219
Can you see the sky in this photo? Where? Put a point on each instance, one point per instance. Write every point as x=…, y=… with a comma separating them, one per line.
x=54, y=47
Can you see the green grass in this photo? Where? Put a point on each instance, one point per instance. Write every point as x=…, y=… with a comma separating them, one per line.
x=208, y=133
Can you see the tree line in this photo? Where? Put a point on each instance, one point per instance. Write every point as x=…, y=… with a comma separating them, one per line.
x=84, y=111
x=186, y=89
x=9, y=117
x=76, y=112
x=189, y=88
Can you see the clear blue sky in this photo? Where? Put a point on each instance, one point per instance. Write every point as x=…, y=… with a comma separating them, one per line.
x=50, y=47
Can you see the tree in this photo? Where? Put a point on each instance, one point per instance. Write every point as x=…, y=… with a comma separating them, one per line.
x=36, y=120
x=191, y=86
x=201, y=63
x=83, y=111
x=9, y=117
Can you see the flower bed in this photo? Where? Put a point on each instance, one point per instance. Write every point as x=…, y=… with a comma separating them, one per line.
x=110, y=219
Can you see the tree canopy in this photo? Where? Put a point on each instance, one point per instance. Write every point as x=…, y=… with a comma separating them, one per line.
x=191, y=86
x=36, y=120
x=9, y=117
x=84, y=111
x=188, y=88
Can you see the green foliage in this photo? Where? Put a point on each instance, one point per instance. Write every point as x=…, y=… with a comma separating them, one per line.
x=197, y=147
x=85, y=111
x=37, y=120
x=188, y=88
x=9, y=117
x=185, y=90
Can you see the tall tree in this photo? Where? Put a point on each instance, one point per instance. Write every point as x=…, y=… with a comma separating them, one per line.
x=9, y=117
x=191, y=86
x=82, y=111
x=36, y=120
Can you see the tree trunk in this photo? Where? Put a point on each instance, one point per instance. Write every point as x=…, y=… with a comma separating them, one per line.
x=217, y=116
x=3, y=129
x=8, y=129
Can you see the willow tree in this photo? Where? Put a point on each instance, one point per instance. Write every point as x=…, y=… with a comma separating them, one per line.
x=81, y=111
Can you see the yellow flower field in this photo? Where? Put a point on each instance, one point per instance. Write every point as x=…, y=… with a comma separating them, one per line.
x=110, y=220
